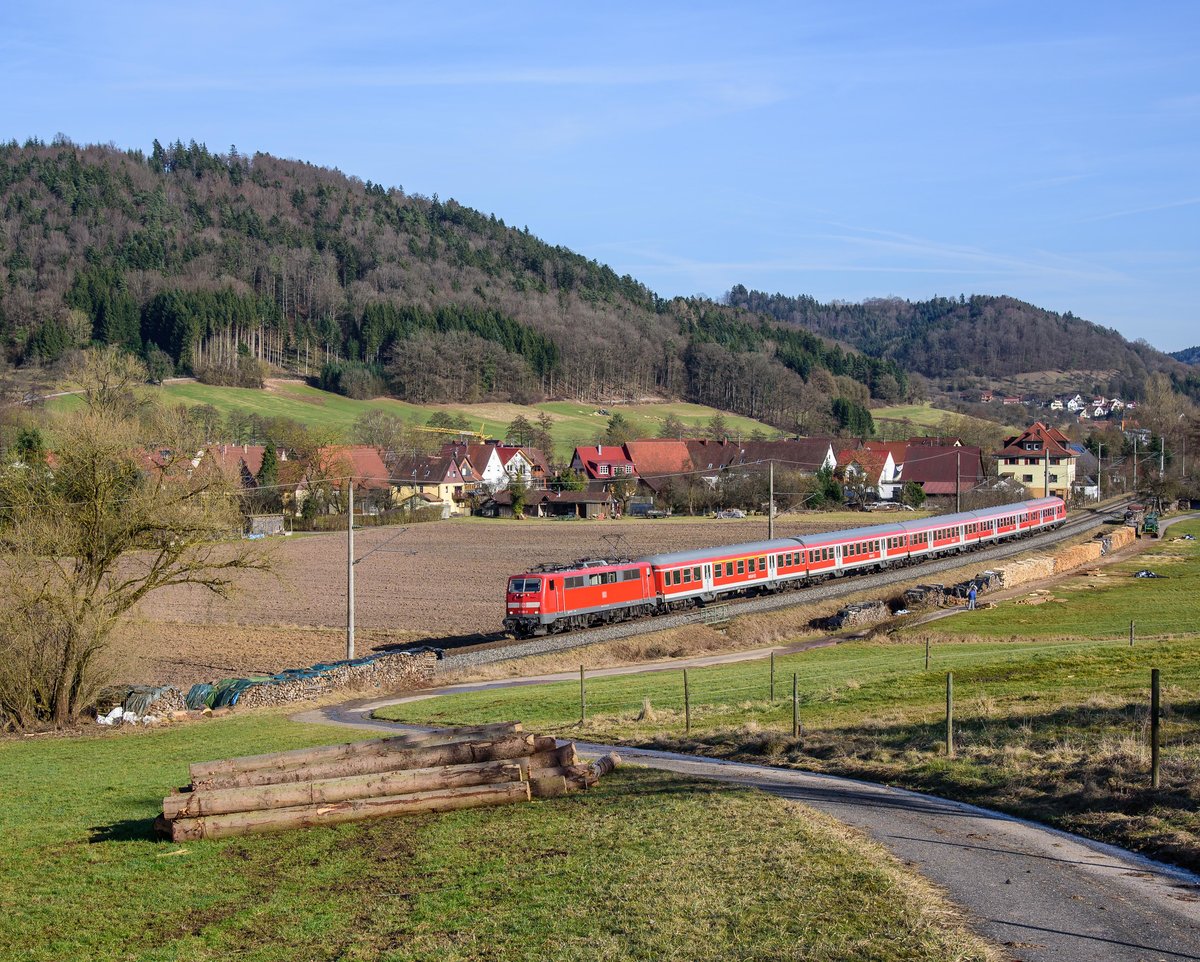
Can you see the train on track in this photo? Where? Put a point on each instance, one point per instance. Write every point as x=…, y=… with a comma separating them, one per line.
x=591, y=592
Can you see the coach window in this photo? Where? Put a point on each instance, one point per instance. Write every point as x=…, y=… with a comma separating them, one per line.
x=696, y=574
x=728, y=569
x=750, y=566
x=741, y=567
x=551, y=584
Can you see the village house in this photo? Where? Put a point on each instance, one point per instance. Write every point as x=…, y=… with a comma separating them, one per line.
x=943, y=467
x=553, y=504
x=1057, y=404
x=660, y=463
x=603, y=465
x=1041, y=459
x=336, y=466
x=239, y=463
x=436, y=480
x=496, y=465
x=876, y=468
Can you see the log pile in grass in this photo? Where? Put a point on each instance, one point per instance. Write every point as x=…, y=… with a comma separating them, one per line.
x=439, y=771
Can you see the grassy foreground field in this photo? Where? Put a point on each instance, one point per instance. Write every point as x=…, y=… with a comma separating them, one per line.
x=1056, y=730
x=648, y=866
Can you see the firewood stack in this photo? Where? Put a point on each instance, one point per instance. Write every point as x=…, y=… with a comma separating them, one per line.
x=428, y=772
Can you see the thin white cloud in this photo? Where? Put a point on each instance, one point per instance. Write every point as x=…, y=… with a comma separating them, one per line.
x=1148, y=209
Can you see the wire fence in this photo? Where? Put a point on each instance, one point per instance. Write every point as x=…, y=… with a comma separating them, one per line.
x=1075, y=690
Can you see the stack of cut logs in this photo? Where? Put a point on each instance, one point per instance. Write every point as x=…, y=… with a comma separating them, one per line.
x=422, y=772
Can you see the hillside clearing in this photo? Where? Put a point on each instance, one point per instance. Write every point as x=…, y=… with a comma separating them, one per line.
x=574, y=423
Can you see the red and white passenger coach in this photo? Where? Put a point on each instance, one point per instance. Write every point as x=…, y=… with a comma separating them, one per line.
x=598, y=591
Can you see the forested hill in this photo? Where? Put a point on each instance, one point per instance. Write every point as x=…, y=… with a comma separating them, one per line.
x=1189, y=355
x=201, y=261
x=980, y=336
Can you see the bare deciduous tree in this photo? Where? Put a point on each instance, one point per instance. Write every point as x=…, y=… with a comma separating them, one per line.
x=88, y=534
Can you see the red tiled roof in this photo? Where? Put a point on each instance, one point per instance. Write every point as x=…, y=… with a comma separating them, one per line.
x=229, y=458
x=360, y=461
x=871, y=462
x=895, y=448
x=478, y=454
x=612, y=456
x=1048, y=438
x=658, y=457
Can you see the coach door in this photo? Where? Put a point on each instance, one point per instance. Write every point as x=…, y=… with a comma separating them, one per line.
x=708, y=578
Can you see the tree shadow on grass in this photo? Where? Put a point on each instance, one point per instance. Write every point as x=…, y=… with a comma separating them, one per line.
x=126, y=830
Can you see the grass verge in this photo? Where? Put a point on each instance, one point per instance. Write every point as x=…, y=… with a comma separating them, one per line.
x=647, y=866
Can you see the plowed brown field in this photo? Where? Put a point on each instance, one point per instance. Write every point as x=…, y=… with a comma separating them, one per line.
x=431, y=581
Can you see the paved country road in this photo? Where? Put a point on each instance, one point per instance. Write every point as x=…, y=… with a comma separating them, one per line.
x=1045, y=895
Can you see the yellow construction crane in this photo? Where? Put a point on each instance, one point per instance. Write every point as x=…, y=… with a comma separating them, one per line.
x=455, y=431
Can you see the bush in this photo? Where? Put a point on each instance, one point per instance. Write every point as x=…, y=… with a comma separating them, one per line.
x=247, y=373
x=352, y=380
x=912, y=494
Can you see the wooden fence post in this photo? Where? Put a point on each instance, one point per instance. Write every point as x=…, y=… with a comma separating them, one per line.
x=1155, y=689
x=795, y=705
x=1131, y=634
x=772, y=678
x=927, y=653
x=582, y=697
x=687, y=705
x=949, y=714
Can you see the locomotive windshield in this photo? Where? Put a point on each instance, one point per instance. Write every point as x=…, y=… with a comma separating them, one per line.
x=520, y=586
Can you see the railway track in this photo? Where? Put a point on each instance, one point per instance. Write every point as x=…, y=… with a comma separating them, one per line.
x=1077, y=523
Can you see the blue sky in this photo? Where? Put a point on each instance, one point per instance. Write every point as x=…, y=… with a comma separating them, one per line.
x=1043, y=150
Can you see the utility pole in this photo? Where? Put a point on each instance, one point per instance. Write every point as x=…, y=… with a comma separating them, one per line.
x=958, y=480
x=1135, y=437
x=350, y=573
x=1046, y=483
x=1162, y=454
x=771, y=501
x=1100, y=468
